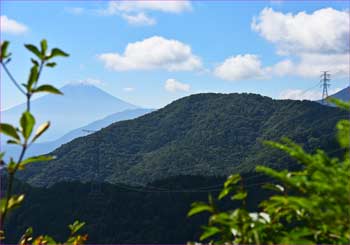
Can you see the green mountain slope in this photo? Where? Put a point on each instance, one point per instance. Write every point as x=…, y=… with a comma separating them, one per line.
x=203, y=134
x=120, y=214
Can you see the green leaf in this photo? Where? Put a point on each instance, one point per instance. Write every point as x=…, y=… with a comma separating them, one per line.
x=47, y=88
x=42, y=158
x=44, y=240
x=27, y=237
x=27, y=122
x=33, y=77
x=199, y=207
x=43, y=45
x=13, y=142
x=57, y=52
x=240, y=195
x=34, y=50
x=11, y=166
x=35, y=62
x=14, y=201
x=232, y=179
x=9, y=130
x=225, y=192
x=42, y=128
x=339, y=103
x=76, y=226
x=52, y=64
x=274, y=187
x=4, y=46
x=2, y=204
x=343, y=133
x=2, y=154
x=208, y=232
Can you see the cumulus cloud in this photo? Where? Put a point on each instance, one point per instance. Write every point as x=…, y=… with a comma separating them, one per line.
x=312, y=42
x=172, y=85
x=245, y=67
x=11, y=26
x=115, y=7
x=153, y=53
x=240, y=67
x=323, y=31
x=139, y=19
x=298, y=94
x=135, y=12
x=310, y=65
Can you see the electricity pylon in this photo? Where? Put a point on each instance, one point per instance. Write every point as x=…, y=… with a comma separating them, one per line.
x=325, y=83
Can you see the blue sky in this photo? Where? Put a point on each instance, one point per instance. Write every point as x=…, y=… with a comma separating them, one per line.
x=275, y=48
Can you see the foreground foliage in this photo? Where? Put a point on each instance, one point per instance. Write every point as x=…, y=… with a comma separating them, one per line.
x=310, y=206
x=23, y=136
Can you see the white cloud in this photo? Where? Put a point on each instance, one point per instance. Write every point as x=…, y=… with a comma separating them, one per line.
x=135, y=12
x=129, y=89
x=11, y=26
x=115, y=7
x=172, y=85
x=282, y=68
x=153, y=53
x=75, y=10
x=298, y=94
x=245, y=67
x=139, y=19
x=323, y=31
x=312, y=42
x=240, y=67
x=310, y=65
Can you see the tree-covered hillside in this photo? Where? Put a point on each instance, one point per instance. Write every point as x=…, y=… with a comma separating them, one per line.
x=156, y=213
x=203, y=134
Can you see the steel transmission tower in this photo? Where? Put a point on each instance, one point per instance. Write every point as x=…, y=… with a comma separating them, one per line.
x=325, y=83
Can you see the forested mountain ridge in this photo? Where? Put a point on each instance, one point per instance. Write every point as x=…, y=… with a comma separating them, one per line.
x=121, y=213
x=202, y=134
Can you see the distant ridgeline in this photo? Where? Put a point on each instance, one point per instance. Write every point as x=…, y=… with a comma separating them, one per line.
x=204, y=134
x=343, y=94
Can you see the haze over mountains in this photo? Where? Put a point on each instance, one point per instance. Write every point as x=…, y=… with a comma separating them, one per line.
x=48, y=146
x=80, y=105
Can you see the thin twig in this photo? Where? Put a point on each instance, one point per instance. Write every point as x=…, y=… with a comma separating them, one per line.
x=13, y=79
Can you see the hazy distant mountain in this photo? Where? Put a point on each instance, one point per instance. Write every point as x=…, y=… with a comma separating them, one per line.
x=343, y=94
x=80, y=105
x=202, y=134
x=99, y=124
x=46, y=147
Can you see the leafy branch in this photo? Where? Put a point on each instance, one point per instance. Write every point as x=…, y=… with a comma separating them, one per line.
x=23, y=135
